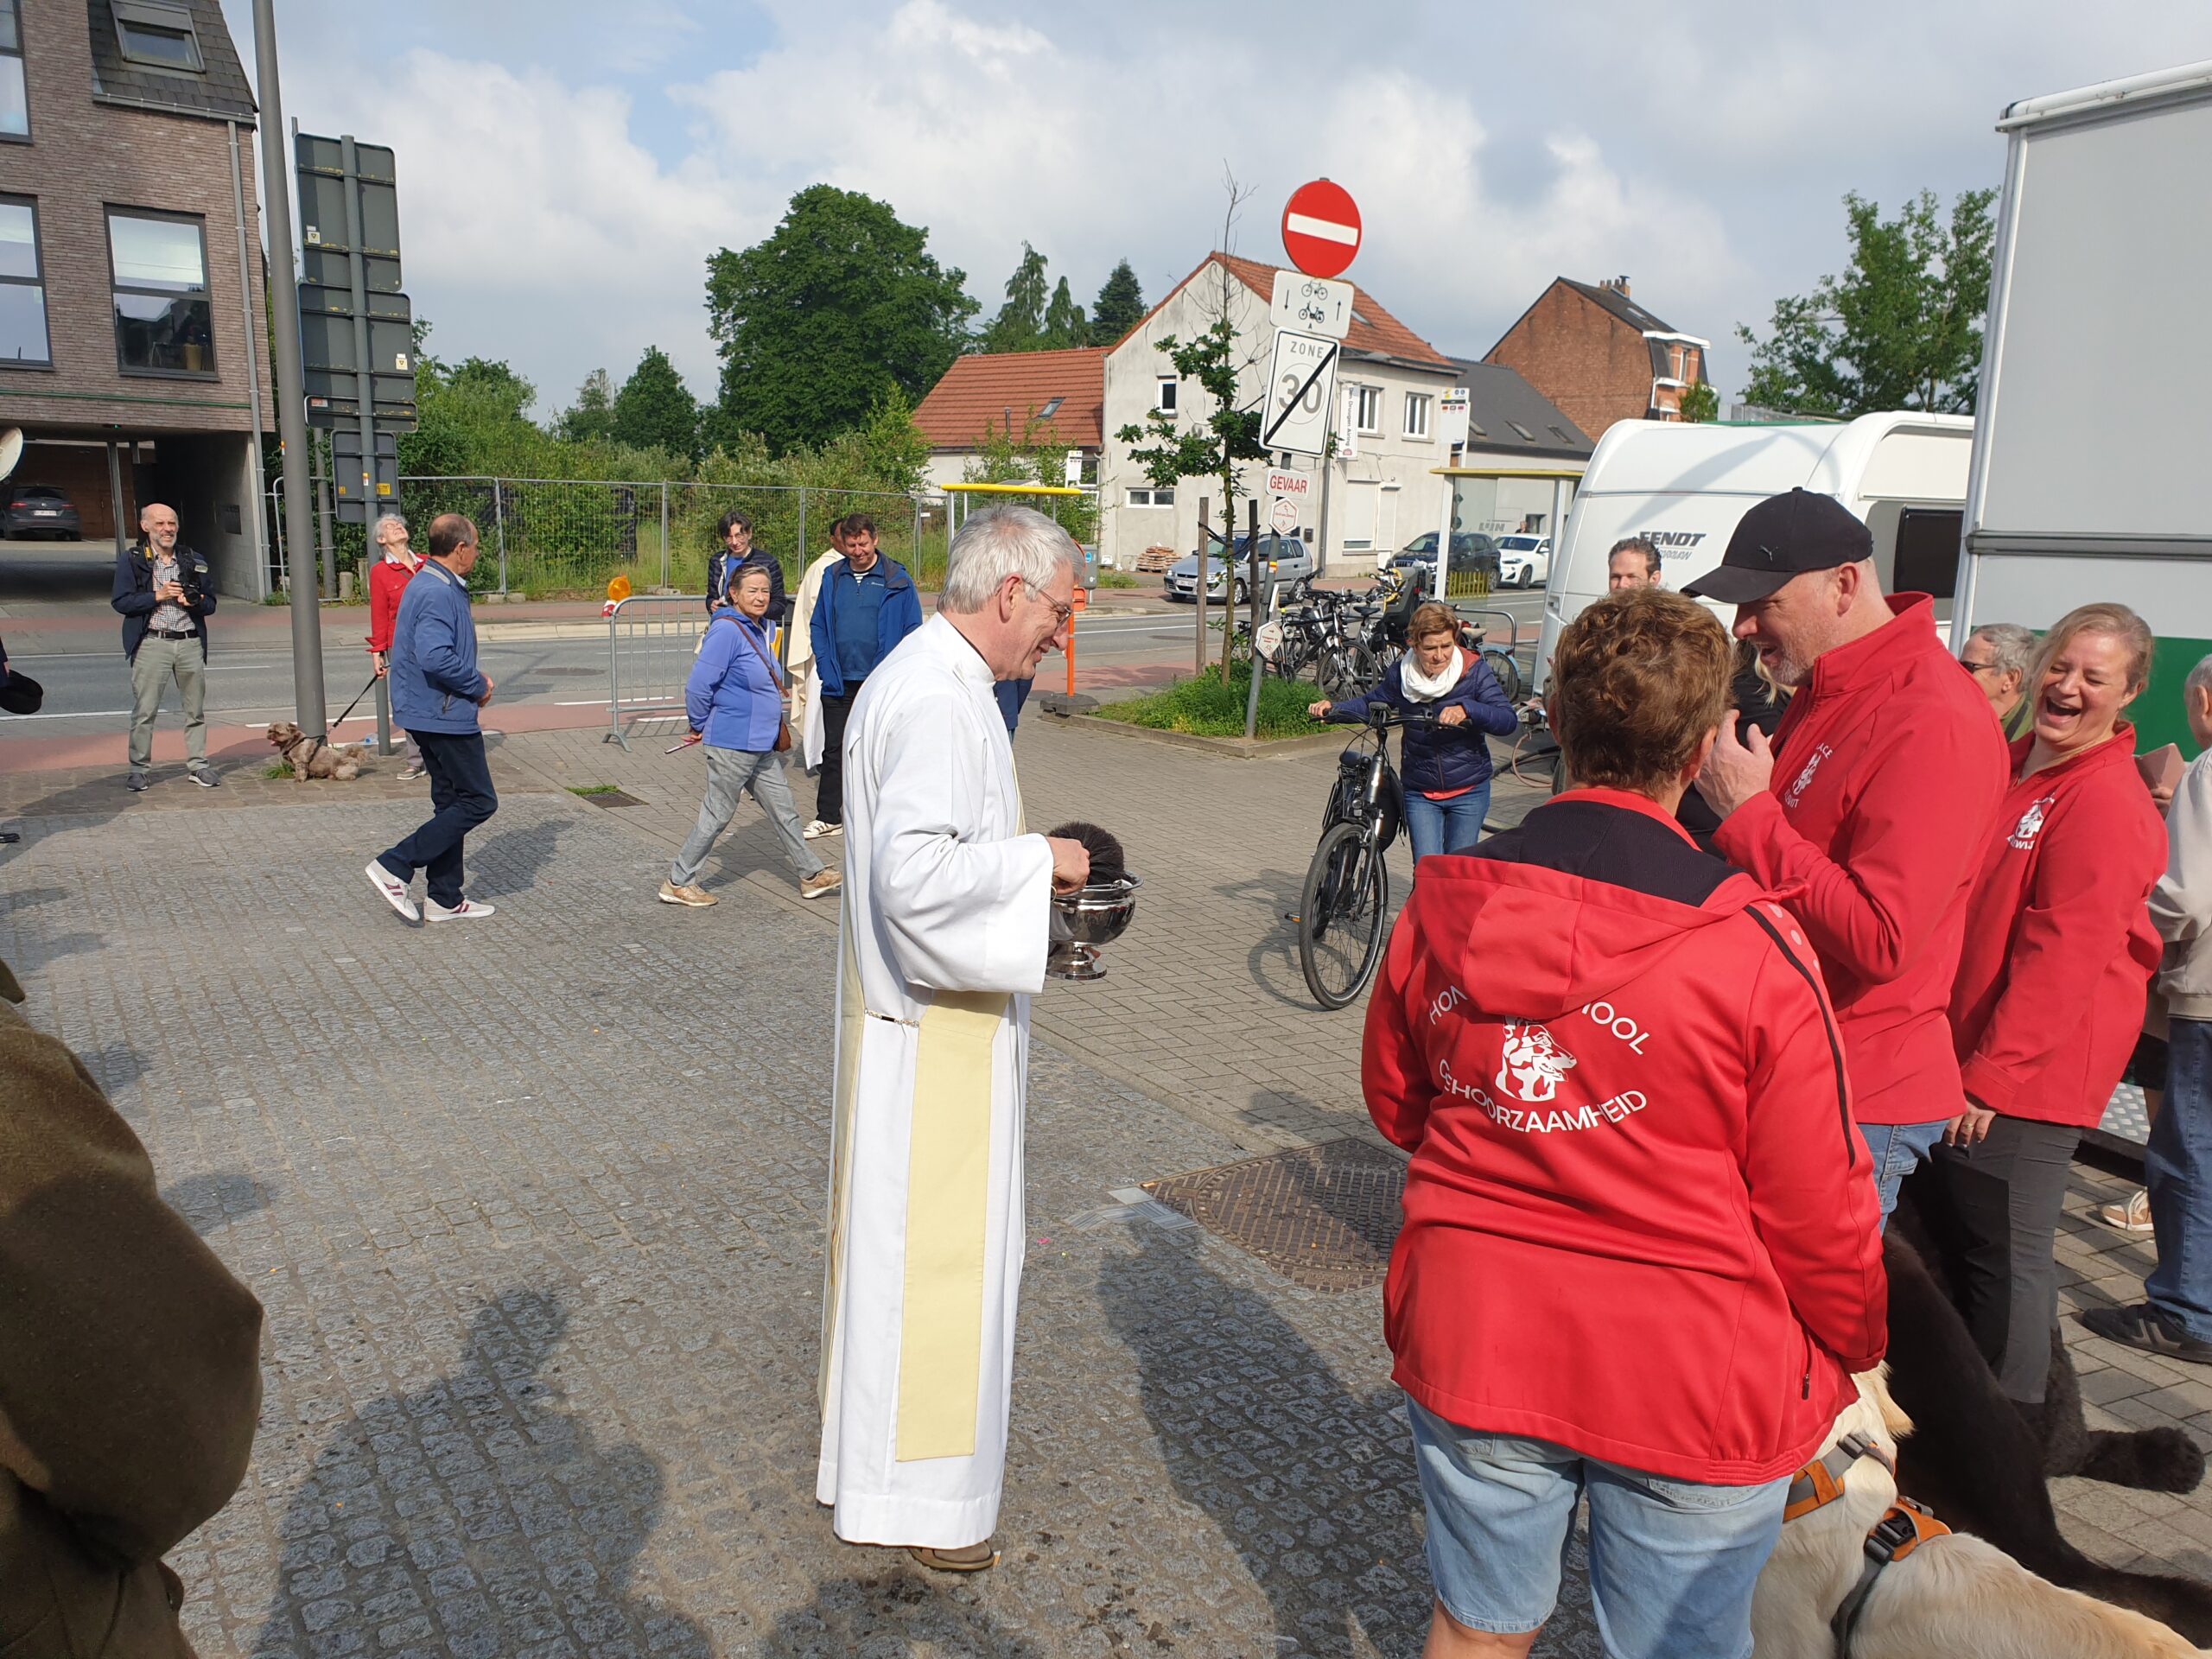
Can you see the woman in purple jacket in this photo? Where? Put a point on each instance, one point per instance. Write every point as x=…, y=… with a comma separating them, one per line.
x=735, y=700
x=1447, y=770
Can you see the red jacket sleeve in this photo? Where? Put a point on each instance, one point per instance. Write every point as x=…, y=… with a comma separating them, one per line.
x=2092, y=874
x=1393, y=1071
x=1811, y=1182
x=1872, y=908
x=384, y=602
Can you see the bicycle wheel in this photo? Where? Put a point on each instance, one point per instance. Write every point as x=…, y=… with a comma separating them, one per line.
x=1506, y=670
x=1340, y=915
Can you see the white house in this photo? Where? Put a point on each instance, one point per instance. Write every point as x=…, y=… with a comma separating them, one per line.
x=1382, y=488
x=1054, y=395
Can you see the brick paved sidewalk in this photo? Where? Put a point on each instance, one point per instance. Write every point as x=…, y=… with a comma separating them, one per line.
x=535, y=1206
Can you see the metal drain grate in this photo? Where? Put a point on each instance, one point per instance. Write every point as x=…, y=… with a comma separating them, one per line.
x=613, y=797
x=1323, y=1216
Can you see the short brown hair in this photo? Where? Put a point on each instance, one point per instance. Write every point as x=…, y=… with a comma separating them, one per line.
x=1640, y=544
x=2122, y=624
x=449, y=531
x=1430, y=619
x=1638, y=679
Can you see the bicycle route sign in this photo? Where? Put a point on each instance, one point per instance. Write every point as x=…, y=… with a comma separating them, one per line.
x=1282, y=516
x=1301, y=388
x=1311, y=305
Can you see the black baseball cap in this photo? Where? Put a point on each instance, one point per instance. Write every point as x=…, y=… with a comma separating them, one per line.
x=1783, y=536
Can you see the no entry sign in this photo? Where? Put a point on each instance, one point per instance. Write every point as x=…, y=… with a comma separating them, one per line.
x=1320, y=228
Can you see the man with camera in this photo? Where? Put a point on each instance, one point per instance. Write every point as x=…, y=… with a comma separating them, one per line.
x=164, y=596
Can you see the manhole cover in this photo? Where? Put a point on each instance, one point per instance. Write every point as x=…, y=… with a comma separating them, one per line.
x=611, y=797
x=1323, y=1216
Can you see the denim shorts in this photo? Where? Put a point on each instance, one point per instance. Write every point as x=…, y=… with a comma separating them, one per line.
x=1672, y=1562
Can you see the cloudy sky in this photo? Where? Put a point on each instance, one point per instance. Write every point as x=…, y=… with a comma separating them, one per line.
x=566, y=168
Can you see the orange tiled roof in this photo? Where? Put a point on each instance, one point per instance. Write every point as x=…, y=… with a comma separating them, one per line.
x=978, y=392
x=1373, y=329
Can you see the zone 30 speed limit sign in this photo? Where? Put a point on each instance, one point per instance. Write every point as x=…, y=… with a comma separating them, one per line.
x=1301, y=385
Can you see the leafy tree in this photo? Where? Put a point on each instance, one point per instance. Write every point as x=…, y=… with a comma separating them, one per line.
x=1020, y=325
x=1065, y=324
x=592, y=416
x=1036, y=454
x=655, y=410
x=892, y=452
x=1701, y=403
x=840, y=304
x=1901, y=329
x=1118, y=308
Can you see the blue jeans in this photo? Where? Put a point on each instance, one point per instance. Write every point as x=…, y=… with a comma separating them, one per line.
x=730, y=774
x=1448, y=826
x=1897, y=1149
x=461, y=798
x=1672, y=1562
x=2177, y=1173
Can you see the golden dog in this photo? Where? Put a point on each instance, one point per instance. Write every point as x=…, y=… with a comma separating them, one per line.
x=311, y=758
x=1954, y=1596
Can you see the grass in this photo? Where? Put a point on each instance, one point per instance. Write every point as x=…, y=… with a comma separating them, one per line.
x=280, y=770
x=1116, y=579
x=1205, y=707
x=594, y=789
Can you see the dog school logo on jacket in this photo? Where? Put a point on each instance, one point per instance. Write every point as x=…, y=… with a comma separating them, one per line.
x=2031, y=824
x=1797, y=790
x=1534, y=1064
x=1531, y=1068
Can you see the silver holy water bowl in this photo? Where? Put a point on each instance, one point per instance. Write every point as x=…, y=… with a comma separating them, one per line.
x=1083, y=920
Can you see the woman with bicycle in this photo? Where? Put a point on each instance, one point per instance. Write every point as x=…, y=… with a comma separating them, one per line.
x=1639, y=1261
x=1447, y=766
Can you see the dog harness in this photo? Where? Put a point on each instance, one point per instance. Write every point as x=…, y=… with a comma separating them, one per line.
x=1819, y=1484
x=1904, y=1528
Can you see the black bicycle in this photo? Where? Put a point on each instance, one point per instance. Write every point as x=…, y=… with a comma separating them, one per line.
x=1346, y=899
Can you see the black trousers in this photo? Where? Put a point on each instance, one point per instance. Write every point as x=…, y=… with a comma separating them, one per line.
x=829, y=788
x=461, y=798
x=2001, y=1205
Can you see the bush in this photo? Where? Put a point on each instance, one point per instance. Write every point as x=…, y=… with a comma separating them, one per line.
x=1203, y=707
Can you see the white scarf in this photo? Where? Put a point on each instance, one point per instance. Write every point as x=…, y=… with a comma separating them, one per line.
x=1425, y=688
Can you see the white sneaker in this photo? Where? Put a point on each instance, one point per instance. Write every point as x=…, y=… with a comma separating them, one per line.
x=816, y=831
x=394, y=890
x=434, y=911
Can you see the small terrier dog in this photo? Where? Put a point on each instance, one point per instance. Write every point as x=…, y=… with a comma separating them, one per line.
x=312, y=757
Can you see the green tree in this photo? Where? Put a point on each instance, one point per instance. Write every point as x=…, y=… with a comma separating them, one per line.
x=1118, y=308
x=1035, y=455
x=1901, y=329
x=839, y=305
x=1019, y=324
x=1701, y=403
x=592, y=416
x=655, y=410
x=1065, y=324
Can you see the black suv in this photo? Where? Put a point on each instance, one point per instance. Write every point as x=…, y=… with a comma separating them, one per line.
x=37, y=510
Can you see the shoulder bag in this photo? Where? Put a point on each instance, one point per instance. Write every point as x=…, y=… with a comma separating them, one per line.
x=783, y=725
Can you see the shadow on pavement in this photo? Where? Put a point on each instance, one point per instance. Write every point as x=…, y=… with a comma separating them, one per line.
x=508, y=861
x=115, y=1066
x=26, y=949
x=207, y=1202
x=475, y=1515
x=900, y=1614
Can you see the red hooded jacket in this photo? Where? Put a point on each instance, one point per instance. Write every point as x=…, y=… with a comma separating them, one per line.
x=2059, y=941
x=1888, y=769
x=1638, y=1222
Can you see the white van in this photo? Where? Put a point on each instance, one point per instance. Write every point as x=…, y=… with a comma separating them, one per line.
x=1685, y=485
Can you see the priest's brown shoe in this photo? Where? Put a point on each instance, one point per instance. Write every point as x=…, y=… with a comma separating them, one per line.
x=969, y=1558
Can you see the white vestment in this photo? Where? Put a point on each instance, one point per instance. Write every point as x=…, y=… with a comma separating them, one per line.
x=806, y=678
x=945, y=919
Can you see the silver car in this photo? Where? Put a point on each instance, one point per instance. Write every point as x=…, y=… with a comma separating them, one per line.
x=1283, y=560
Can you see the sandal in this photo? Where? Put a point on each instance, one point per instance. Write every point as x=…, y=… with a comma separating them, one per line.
x=969, y=1557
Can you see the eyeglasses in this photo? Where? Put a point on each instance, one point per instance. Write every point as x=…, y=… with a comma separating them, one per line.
x=1977, y=668
x=1061, y=613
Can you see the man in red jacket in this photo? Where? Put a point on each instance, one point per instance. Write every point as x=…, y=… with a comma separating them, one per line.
x=1868, y=813
x=388, y=580
x=1639, y=1259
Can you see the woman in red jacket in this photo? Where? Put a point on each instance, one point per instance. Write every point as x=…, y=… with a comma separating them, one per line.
x=1640, y=1256
x=2049, y=994
x=388, y=580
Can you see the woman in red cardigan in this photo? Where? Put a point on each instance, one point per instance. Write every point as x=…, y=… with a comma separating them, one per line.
x=388, y=580
x=2050, y=993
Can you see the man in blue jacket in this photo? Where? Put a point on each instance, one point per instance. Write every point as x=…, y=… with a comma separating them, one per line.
x=867, y=604
x=163, y=592
x=435, y=692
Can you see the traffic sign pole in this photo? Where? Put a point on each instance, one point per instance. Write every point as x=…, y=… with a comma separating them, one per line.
x=357, y=276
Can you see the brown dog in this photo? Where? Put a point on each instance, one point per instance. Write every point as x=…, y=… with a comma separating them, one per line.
x=310, y=757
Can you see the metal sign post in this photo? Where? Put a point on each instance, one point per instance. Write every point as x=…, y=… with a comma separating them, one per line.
x=1252, y=606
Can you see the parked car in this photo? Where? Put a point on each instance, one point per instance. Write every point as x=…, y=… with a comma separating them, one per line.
x=38, y=510
x=1283, y=559
x=1471, y=550
x=1523, y=561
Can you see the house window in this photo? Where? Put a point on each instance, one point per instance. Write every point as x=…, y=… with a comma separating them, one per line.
x=22, y=287
x=1367, y=413
x=163, y=322
x=158, y=35
x=1148, y=497
x=1051, y=409
x=15, y=100
x=1417, y=405
x=1164, y=398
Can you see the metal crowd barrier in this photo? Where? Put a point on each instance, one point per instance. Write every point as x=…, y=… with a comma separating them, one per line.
x=651, y=641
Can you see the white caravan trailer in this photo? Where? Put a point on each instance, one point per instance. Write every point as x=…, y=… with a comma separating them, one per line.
x=2091, y=477
x=1685, y=487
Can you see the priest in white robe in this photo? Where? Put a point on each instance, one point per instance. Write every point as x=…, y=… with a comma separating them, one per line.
x=945, y=926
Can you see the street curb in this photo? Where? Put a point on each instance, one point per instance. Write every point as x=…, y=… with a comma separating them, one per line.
x=1232, y=747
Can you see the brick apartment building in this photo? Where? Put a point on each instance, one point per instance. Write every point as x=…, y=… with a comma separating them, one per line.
x=132, y=321
x=1601, y=357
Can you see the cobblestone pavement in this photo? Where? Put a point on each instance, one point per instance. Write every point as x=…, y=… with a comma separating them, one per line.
x=535, y=1209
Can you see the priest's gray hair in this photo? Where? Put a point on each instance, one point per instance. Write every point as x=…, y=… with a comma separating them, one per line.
x=2010, y=646
x=999, y=542
x=2200, y=677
